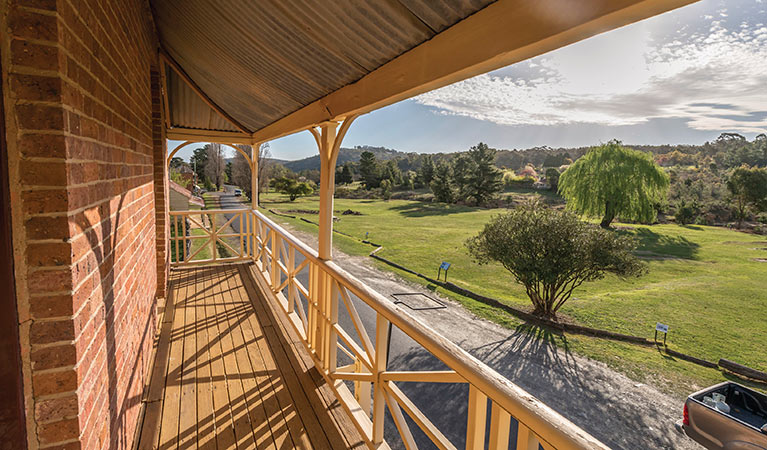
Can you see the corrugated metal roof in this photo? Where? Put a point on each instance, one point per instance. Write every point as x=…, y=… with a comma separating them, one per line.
x=262, y=60
x=188, y=110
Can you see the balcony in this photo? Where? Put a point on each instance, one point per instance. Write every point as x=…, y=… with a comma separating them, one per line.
x=230, y=370
x=272, y=345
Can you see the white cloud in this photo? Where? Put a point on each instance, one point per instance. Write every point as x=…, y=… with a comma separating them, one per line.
x=715, y=80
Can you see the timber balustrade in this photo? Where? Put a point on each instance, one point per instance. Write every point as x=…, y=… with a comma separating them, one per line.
x=210, y=236
x=353, y=360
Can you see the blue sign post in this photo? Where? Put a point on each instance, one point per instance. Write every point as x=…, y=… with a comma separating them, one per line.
x=663, y=329
x=444, y=266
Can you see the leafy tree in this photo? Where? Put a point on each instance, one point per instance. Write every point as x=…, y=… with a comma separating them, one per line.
x=551, y=253
x=442, y=183
x=686, y=212
x=528, y=172
x=215, y=164
x=612, y=180
x=369, y=170
x=426, y=171
x=228, y=170
x=552, y=176
x=176, y=162
x=240, y=171
x=292, y=188
x=555, y=160
x=265, y=170
x=176, y=177
x=484, y=179
x=748, y=187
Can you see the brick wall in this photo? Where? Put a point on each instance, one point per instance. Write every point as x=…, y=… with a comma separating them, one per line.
x=86, y=160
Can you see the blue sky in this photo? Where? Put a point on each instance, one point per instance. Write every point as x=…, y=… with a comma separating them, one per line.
x=681, y=77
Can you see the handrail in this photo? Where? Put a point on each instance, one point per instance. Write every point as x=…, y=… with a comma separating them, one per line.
x=553, y=430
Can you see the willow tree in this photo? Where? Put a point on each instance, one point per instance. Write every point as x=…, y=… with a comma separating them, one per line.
x=612, y=180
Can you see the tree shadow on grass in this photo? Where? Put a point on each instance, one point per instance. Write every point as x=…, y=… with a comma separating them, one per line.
x=663, y=245
x=424, y=209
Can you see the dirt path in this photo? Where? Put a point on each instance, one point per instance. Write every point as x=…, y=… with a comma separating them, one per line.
x=622, y=413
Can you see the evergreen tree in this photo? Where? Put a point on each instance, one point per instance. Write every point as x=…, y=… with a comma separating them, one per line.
x=369, y=170
x=426, y=171
x=344, y=174
x=484, y=179
x=392, y=173
x=198, y=161
x=462, y=167
x=386, y=185
x=611, y=181
x=442, y=183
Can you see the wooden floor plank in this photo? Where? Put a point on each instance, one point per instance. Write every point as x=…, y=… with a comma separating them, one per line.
x=206, y=419
x=229, y=375
x=169, y=428
x=243, y=390
x=253, y=333
x=254, y=378
x=187, y=438
x=331, y=415
x=230, y=315
x=150, y=431
x=294, y=393
x=224, y=427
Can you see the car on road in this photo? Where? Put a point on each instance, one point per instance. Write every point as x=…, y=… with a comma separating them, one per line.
x=726, y=416
x=238, y=192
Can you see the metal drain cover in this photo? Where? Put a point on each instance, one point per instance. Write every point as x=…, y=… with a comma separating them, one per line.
x=417, y=301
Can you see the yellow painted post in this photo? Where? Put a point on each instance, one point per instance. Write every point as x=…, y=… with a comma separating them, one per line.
x=292, y=294
x=213, y=235
x=526, y=439
x=500, y=420
x=275, y=262
x=327, y=140
x=477, y=417
x=255, y=151
x=332, y=321
x=379, y=365
x=176, y=231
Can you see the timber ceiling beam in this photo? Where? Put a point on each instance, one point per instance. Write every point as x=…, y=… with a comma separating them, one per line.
x=220, y=137
x=503, y=33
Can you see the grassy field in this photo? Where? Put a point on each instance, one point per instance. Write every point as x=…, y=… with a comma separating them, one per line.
x=704, y=282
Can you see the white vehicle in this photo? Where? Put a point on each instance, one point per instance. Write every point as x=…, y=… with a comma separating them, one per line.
x=238, y=192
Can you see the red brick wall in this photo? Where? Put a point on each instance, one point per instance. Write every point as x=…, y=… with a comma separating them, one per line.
x=84, y=135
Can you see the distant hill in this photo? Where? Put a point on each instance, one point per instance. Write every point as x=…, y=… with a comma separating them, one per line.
x=344, y=155
x=729, y=149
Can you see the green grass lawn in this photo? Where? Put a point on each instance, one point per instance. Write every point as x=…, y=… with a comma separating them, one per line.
x=703, y=282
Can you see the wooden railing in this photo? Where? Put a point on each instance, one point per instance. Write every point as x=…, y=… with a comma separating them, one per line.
x=210, y=236
x=354, y=359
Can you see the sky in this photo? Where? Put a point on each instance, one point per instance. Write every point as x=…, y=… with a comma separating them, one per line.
x=682, y=77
